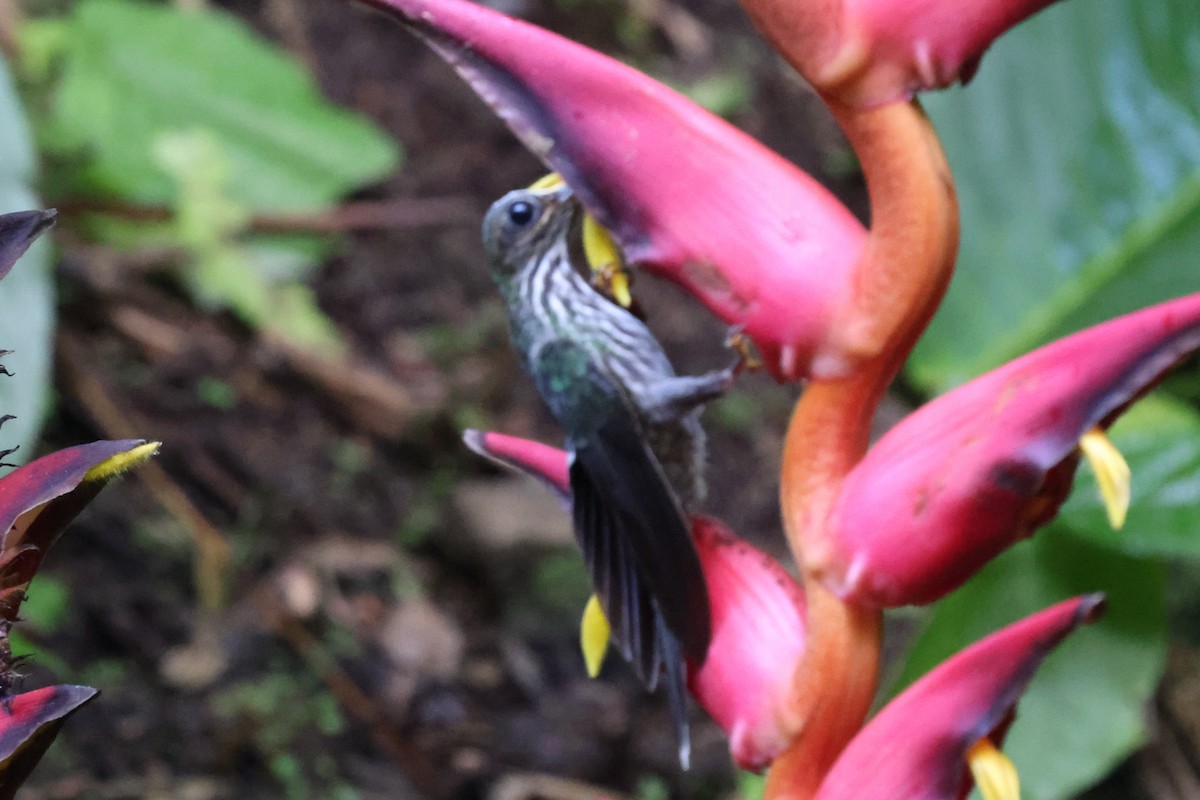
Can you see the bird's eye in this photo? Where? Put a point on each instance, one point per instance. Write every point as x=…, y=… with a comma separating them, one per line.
x=521, y=213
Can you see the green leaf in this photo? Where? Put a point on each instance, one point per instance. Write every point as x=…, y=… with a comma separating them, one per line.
x=134, y=71
x=27, y=293
x=1077, y=156
x=1160, y=439
x=1083, y=712
x=257, y=281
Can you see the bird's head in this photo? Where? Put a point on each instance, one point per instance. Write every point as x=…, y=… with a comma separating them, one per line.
x=525, y=223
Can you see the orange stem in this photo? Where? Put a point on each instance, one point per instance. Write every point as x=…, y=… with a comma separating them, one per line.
x=909, y=254
x=833, y=687
x=905, y=268
x=836, y=679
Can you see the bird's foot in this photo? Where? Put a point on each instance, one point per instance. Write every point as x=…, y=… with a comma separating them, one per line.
x=747, y=359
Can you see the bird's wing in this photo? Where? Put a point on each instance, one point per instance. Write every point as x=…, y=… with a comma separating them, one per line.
x=633, y=532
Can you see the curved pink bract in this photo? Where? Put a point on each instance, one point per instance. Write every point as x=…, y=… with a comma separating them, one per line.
x=971, y=472
x=690, y=197
x=916, y=747
x=758, y=615
x=867, y=53
x=547, y=464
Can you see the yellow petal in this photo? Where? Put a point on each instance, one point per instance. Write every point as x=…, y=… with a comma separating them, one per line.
x=551, y=181
x=604, y=258
x=593, y=636
x=115, y=465
x=619, y=284
x=1112, y=474
x=993, y=772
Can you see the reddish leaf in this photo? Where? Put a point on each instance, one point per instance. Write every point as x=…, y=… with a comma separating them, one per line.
x=37, y=501
x=17, y=231
x=29, y=723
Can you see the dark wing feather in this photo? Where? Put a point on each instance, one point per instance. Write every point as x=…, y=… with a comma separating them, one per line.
x=621, y=497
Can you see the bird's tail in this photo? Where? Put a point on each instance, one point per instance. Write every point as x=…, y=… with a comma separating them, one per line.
x=675, y=678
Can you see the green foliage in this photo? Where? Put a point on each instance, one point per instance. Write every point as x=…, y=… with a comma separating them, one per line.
x=560, y=584
x=274, y=713
x=27, y=293
x=129, y=72
x=750, y=785
x=154, y=104
x=1077, y=157
x=46, y=604
x=255, y=280
x=1084, y=709
x=216, y=393
x=724, y=93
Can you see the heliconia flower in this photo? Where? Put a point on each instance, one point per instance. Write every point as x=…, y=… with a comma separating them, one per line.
x=870, y=52
x=38, y=500
x=973, y=471
x=925, y=744
x=757, y=611
x=688, y=196
x=29, y=722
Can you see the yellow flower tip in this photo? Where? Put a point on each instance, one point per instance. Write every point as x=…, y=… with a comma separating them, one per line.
x=994, y=773
x=593, y=636
x=551, y=181
x=605, y=260
x=1112, y=474
x=121, y=462
x=620, y=289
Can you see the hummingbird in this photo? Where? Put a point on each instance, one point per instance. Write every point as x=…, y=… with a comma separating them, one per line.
x=636, y=449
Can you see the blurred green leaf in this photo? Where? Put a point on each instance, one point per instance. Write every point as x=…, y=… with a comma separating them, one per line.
x=27, y=293
x=188, y=108
x=1160, y=439
x=46, y=604
x=133, y=71
x=724, y=93
x=1077, y=156
x=257, y=280
x=1083, y=711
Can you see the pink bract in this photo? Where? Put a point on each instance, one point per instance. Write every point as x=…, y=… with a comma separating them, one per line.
x=916, y=747
x=691, y=198
x=971, y=472
x=867, y=53
x=758, y=615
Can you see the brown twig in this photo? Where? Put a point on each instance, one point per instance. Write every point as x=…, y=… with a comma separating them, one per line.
x=212, y=549
x=11, y=16
x=288, y=19
x=394, y=214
